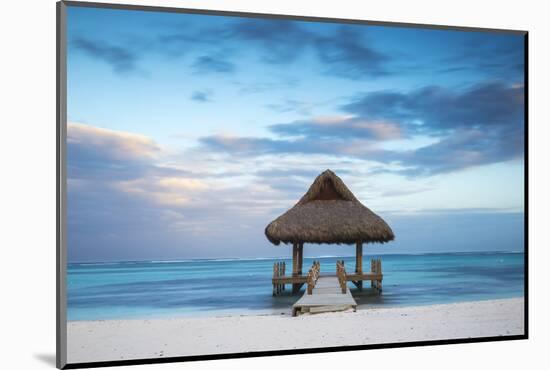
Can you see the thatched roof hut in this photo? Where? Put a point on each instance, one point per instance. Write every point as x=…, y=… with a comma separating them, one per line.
x=329, y=213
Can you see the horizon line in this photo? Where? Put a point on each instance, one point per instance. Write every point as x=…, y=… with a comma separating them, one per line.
x=228, y=259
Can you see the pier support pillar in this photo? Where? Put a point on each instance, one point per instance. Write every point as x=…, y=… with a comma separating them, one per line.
x=294, y=259
x=359, y=263
x=300, y=257
x=359, y=257
x=297, y=262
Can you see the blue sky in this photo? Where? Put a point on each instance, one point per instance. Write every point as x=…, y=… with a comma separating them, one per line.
x=188, y=134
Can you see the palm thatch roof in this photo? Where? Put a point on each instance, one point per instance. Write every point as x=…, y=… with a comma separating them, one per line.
x=329, y=213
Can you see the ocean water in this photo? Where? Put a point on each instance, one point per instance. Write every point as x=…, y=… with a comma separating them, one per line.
x=152, y=289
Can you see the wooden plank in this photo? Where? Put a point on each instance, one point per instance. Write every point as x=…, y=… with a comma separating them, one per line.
x=363, y=276
x=326, y=299
x=321, y=309
x=289, y=279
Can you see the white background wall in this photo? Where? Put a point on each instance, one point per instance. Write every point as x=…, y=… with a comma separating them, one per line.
x=27, y=193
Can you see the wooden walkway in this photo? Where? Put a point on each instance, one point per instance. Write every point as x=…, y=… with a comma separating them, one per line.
x=326, y=296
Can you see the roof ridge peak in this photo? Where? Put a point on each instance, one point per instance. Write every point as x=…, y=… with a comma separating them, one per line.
x=328, y=186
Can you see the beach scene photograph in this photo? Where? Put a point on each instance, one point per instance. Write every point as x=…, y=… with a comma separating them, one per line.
x=250, y=184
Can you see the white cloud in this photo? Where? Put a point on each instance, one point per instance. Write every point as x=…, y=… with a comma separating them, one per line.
x=117, y=144
x=163, y=191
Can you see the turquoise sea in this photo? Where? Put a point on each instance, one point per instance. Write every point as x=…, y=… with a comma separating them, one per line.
x=213, y=287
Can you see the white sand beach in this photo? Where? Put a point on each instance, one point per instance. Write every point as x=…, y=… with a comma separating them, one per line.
x=135, y=339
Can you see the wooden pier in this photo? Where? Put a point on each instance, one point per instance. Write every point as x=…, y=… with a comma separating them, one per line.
x=328, y=293
x=357, y=277
x=327, y=296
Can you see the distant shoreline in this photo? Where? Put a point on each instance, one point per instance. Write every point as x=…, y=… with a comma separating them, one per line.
x=228, y=259
x=109, y=340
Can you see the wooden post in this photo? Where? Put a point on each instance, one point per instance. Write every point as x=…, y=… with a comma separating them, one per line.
x=294, y=259
x=295, y=266
x=359, y=258
x=310, y=282
x=380, y=272
x=341, y=274
x=300, y=258
x=278, y=275
x=284, y=271
x=279, y=270
x=275, y=274
x=372, y=270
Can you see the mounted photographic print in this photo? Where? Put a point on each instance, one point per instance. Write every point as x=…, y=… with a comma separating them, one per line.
x=234, y=184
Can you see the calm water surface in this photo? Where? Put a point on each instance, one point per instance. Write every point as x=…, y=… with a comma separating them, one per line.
x=126, y=290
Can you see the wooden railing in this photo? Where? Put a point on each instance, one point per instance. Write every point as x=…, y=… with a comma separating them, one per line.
x=341, y=274
x=279, y=269
x=312, y=276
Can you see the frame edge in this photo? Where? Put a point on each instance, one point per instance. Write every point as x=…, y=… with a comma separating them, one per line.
x=292, y=17
x=61, y=185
